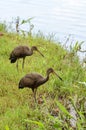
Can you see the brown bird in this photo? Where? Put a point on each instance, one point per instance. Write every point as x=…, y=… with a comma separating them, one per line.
x=22, y=52
x=34, y=80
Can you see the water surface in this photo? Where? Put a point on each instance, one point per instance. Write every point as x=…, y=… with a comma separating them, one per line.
x=62, y=17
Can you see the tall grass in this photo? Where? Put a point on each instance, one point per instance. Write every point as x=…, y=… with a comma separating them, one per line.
x=17, y=108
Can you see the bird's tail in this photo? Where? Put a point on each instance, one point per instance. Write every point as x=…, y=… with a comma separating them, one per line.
x=12, y=59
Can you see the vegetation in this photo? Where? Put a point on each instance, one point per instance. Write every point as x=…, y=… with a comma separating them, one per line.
x=18, y=110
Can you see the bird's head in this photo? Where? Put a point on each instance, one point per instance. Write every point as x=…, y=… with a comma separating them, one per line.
x=50, y=70
x=34, y=48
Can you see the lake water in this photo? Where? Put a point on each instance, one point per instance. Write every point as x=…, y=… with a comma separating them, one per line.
x=61, y=17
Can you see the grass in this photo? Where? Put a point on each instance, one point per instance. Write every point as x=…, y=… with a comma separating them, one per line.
x=17, y=108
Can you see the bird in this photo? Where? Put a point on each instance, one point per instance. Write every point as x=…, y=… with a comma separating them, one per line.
x=34, y=80
x=21, y=52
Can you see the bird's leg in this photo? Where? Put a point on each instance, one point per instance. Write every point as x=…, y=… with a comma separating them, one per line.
x=17, y=65
x=34, y=92
x=23, y=63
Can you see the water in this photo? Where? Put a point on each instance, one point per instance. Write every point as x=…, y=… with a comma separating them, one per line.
x=62, y=17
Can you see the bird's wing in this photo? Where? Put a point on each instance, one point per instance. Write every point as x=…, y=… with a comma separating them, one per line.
x=27, y=50
x=17, y=51
x=21, y=51
x=28, y=81
x=34, y=78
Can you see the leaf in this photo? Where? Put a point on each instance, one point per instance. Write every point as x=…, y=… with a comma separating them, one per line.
x=26, y=21
x=57, y=126
x=83, y=83
x=6, y=127
x=41, y=125
x=23, y=21
x=63, y=109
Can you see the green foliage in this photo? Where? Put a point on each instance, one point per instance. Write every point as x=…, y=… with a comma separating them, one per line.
x=38, y=123
x=17, y=108
x=3, y=27
x=6, y=127
x=63, y=109
x=26, y=21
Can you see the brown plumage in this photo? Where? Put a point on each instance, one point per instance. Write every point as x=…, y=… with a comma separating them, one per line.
x=22, y=52
x=34, y=80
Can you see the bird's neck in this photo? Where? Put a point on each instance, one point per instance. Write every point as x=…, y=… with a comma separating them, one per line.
x=44, y=80
x=47, y=77
x=32, y=50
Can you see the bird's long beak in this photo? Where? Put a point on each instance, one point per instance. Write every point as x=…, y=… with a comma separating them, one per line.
x=40, y=53
x=58, y=76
